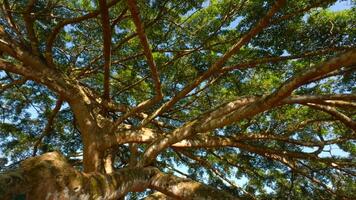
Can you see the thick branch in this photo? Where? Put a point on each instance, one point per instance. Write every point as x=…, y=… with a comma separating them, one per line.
x=33, y=68
x=267, y=102
x=229, y=107
x=146, y=135
x=157, y=196
x=50, y=176
x=182, y=188
x=318, y=98
x=44, y=76
x=29, y=23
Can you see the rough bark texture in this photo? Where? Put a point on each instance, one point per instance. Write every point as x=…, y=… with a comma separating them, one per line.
x=49, y=176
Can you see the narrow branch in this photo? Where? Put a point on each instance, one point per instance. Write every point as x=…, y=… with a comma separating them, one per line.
x=128, y=87
x=146, y=47
x=90, y=69
x=215, y=171
x=119, y=18
x=105, y=21
x=255, y=62
x=293, y=166
x=48, y=127
x=11, y=21
x=235, y=163
x=301, y=11
x=52, y=37
x=154, y=72
x=114, y=107
x=13, y=83
x=336, y=114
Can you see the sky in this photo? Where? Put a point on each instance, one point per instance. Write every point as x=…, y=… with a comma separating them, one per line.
x=341, y=5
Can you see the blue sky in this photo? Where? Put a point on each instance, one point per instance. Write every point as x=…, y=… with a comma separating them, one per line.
x=341, y=5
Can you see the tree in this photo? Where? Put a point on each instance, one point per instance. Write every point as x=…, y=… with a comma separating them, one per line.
x=158, y=99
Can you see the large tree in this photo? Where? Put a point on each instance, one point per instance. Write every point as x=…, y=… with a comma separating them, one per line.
x=177, y=99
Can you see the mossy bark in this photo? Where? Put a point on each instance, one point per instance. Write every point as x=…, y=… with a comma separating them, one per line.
x=49, y=176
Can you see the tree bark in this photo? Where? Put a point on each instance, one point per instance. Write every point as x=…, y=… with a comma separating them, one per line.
x=49, y=176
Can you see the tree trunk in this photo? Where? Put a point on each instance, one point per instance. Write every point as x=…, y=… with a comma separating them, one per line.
x=49, y=176
x=92, y=127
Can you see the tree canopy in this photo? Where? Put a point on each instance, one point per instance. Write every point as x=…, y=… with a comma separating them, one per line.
x=205, y=99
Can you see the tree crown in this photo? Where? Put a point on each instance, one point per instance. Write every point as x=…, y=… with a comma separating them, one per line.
x=211, y=90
